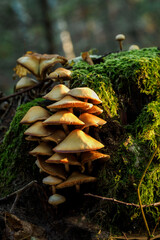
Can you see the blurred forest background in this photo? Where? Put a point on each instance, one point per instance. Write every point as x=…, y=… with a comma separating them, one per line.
x=71, y=27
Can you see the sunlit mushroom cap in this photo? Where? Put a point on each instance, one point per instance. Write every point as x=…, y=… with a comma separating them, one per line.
x=37, y=129
x=120, y=37
x=91, y=156
x=63, y=158
x=57, y=93
x=56, y=199
x=85, y=93
x=133, y=47
x=70, y=102
x=52, y=169
x=76, y=178
x=91, y=120
x=25, y=82
x=78, y=141
x=94, y=110
x=34, y=114
x=62, y=73
x=63, y=117
x=42, y=149
x=50, y=180
x=56, y=137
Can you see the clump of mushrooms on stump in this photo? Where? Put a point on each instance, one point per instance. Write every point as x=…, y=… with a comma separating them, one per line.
x=62, y=130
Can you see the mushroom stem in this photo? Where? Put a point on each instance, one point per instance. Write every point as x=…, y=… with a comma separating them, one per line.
x=61, y=80
x=77, y=187
x=70, y=110
x=53, y=189
x=85, y=100
x=78, y=155
x=90, y=166
x=86, y=130
x=120, y=45
x=65, y=127
x=66, y=167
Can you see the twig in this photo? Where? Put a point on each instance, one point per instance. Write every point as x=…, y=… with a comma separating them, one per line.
x=138, y=190
x=17, y=193
x=121, y=202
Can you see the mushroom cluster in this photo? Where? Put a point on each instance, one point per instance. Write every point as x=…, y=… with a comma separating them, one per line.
x=65, y=145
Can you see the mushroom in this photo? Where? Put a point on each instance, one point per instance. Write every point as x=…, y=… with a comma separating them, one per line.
x=57, y=93
x=25, y=82
x=60, y=74
x=88, y=157
x=56, y=137
x=86, y=94
x=56, y=199
x=78, y=141
x=34, y=114
x=37, y=129
x=51, y=169
x=42, y=149
x=64, y=158
x=75, y=179
x=94, y=110
x=120, y=38
x=70, y=103
x=65, y=118
x=133, y=47
x=91, y=120
x=53, y=181
x=32, y=138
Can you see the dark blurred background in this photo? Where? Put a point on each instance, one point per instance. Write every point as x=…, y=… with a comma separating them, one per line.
x=71, y=27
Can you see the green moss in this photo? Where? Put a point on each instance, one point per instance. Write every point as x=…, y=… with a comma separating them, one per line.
x=13, y=151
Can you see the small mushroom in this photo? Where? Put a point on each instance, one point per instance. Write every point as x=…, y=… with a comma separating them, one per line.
x=120, y=38
x=57, y=93
x=86, y=94
x=133, y=47
x=37, y=129
x=75, y=179
x=76, y=142
x=94, y=110
x=56, y=199
x=42, y=149
x=56, y=137
x=34, y=114
x=25, y=82
x=53, y=181
x=60, y=74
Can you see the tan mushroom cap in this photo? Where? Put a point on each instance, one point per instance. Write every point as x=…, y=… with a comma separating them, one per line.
x=56, y=199
x=120, y=37
x=32, y=138
x=63, y=117
x=57, y=93
x=85, y=93
x=60, y=73
x=42, y=149
x=51, y=169
x=63, y=158
x=94, y=110
x=133, y=47
x=25, y=82
x=74, y=179
x=91, y=156
x=56, y=137
x=91, y=120
x=70, y=102
x=50, y=180
x=34, y=114
x=78, y=141
x=37, y=129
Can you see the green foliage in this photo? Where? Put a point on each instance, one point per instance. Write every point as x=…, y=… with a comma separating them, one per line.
x=13, y=150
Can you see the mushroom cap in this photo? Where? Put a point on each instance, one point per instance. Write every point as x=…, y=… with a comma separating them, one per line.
x=50, y=180
x=85, y=93
x=78, y=141
x=32, y=138
x=120, y=37
x=37, y=129
x=91, y=120
x=37, y=63
x=42, y=149
x=34, y=114
x=56, y=199
x=76, y=178
x=133, y=47
x=57, y=93
x=70, y=102
x=63, y=158
x=56, y=137
x=51, y=169
x=25, y=82
x=60, y=73
x=91, y=156
x=63, y=117
x=94, y=110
